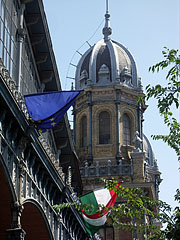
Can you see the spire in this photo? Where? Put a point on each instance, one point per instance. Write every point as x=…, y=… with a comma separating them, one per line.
x=107, y=29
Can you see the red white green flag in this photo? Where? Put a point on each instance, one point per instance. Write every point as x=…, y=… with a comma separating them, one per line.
x=97, y=218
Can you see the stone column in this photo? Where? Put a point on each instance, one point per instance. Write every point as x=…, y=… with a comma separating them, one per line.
x=15, y=232
x=22, y=166
x=59, y=226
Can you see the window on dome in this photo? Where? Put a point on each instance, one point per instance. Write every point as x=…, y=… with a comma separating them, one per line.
x=83, y=131
x=126, y=130
x=104, y=128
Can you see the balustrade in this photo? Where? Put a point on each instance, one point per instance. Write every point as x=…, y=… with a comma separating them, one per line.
x=109, y=169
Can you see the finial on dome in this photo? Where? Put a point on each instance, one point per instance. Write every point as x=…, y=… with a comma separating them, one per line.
x=107, y=29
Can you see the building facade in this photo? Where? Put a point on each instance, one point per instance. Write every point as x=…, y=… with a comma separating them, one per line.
x=108, y=123
x=37, y=171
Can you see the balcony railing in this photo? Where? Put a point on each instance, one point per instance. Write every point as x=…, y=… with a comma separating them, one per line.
x=108, y=169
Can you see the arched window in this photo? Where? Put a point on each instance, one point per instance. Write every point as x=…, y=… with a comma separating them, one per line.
x=126, y=130
x=83, y=132
x=104, y=128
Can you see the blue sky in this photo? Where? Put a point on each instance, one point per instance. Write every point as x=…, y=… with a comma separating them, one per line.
x=144, y=27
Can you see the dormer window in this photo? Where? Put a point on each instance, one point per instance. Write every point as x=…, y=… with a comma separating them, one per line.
x=103, y=74
x=84, y=75
x=126, y=76
x=83, y=78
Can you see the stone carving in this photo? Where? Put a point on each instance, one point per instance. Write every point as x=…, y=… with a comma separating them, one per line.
x=47, y=147
x=97, y=236
x=14, y=175
x=61, y=173
x=75, y=197
x=16, y=209
x=12, y=87
x=69, y=176
x=137, y=142
x=126, y=77
x=140, y=84
x=84, y=75
x=28, y=187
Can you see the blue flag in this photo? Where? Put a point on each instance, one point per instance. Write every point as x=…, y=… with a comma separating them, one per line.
x=47, y=109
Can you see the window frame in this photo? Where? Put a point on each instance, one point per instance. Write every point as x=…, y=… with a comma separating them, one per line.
x=83, y=129
x=126, y=124
x=104, y=128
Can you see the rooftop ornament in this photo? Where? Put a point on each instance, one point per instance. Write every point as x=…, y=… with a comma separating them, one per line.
x=107, y=31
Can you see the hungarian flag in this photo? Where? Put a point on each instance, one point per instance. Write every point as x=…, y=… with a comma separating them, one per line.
x=97, y=217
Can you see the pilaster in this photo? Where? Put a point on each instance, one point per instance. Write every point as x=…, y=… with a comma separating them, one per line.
x=90, y=157
x=138, y=166
x=118, y=154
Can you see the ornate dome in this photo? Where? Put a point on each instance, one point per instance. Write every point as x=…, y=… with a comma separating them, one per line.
x=107, y=63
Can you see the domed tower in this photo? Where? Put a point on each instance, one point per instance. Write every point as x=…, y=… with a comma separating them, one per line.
x=107, y=116
x=108, y=119
x=107, y=113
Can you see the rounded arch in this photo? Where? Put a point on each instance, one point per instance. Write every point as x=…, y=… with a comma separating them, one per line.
x=79, y=116
x=96, y=115
x=34, y=221
x=128, y=122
